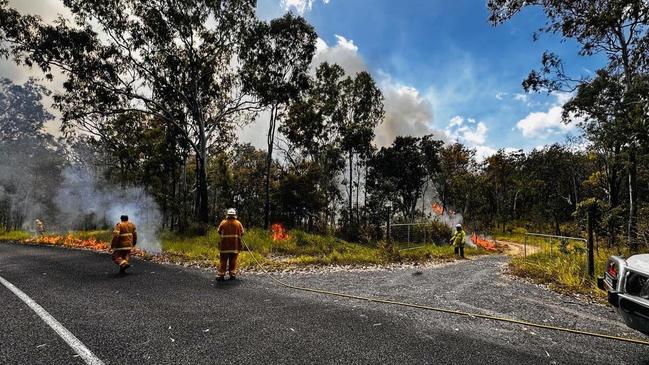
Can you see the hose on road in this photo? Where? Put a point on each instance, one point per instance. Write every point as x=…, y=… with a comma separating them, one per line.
x=443, y=310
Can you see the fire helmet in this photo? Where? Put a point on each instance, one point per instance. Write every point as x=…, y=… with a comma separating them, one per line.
x=458, y=226
x=232, y=212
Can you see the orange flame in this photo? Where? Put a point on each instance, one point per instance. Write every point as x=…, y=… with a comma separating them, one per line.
x=438, y=209
x=279, y=232
x=91, y=243
x=70, y=241
x=482, y=242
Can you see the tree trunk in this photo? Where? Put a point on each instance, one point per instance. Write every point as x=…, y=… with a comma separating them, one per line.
x=351, y=187
x=613, y=192
x=633, y=199
x=269, y=162
x=203, y=192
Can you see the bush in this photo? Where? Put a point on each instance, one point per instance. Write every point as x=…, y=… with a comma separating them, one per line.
x=430, y=232
x=519, y=231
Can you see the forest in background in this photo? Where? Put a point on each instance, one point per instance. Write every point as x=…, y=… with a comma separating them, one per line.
x=154, y=92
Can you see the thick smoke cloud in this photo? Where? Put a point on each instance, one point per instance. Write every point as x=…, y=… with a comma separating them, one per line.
x=407, y=112
x=84, y=199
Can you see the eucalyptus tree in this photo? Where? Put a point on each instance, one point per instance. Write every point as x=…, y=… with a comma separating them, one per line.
x=399, y=172
x=617, y=30
x=276, y=66
x=31, y=159
x=172, y=59
x=312, y=128
x=360, y=111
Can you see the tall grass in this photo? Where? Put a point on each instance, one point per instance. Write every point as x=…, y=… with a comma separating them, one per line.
x=564, y=272
x=14, y=235
x=301, y=249
x=298, y=250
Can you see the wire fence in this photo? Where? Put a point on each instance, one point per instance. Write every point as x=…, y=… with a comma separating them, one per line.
x=554, y=244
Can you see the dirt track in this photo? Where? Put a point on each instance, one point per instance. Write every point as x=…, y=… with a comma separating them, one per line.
x=516, y=249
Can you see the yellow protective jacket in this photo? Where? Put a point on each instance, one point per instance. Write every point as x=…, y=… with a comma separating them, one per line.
x=458, y=238
x=231, y=231
x=124, y=236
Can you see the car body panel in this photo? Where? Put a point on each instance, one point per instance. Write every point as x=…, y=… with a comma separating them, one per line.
x=632, y=307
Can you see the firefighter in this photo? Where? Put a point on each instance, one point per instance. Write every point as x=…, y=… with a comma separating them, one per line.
x=231, y=231
x=457, y=241
x=40, y=227
x=124, y=239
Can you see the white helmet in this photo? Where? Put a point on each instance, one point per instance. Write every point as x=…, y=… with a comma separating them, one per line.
x=232, y=212
x=458, y=226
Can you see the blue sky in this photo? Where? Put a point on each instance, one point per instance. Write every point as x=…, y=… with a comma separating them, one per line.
x=442, y=67
x=467, y=72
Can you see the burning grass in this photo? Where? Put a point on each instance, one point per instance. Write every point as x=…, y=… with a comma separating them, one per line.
x=88, y=240
x=277, y=250
x=300, y=249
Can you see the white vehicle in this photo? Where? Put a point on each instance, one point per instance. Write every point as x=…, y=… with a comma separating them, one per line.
x=627, y=284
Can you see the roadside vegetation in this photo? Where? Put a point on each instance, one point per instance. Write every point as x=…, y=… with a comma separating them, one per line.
x=14, y=235
x=299, y=250
x=565, y=272
x=562, y=264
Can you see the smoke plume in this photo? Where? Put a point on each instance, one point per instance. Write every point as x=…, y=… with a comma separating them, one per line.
x=84, y=201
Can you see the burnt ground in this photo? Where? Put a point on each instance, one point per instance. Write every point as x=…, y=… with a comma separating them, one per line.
x=164, y=314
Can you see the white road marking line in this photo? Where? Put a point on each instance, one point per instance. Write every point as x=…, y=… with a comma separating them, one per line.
x=66, y=335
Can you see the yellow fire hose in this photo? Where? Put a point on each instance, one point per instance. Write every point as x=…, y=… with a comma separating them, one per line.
x=443, y=310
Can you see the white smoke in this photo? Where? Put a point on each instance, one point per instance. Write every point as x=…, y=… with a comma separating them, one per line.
x=453, y=219
x=84, y=198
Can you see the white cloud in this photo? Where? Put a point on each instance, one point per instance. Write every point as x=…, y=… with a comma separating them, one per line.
x=548, y=123
x=500, y=95
x=345, y=43
x=301, y=6
x=463, y=131
x=521, y=97
x=472, y=134
x=344, y=53
x=482, y=152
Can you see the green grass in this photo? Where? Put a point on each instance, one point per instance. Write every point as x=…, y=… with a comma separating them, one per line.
x=432, y=252
x=564, y=272
x=300, y=249
x=14, y=235
x=520, y=238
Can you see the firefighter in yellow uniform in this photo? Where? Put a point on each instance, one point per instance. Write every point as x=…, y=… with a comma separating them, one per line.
x=457, y=241
x=231, y=231
x=124, y=239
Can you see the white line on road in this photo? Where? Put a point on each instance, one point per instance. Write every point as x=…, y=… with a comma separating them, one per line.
x=66, y=335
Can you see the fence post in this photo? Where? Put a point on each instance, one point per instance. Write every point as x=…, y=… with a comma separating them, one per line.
x=408, y=234
x=525, y=255
x=591, y=258
x=387, y=231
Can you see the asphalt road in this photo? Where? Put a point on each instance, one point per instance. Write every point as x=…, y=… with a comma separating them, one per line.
x=163, y=314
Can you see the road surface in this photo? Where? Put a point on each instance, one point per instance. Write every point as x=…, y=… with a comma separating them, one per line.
x=164, y=314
